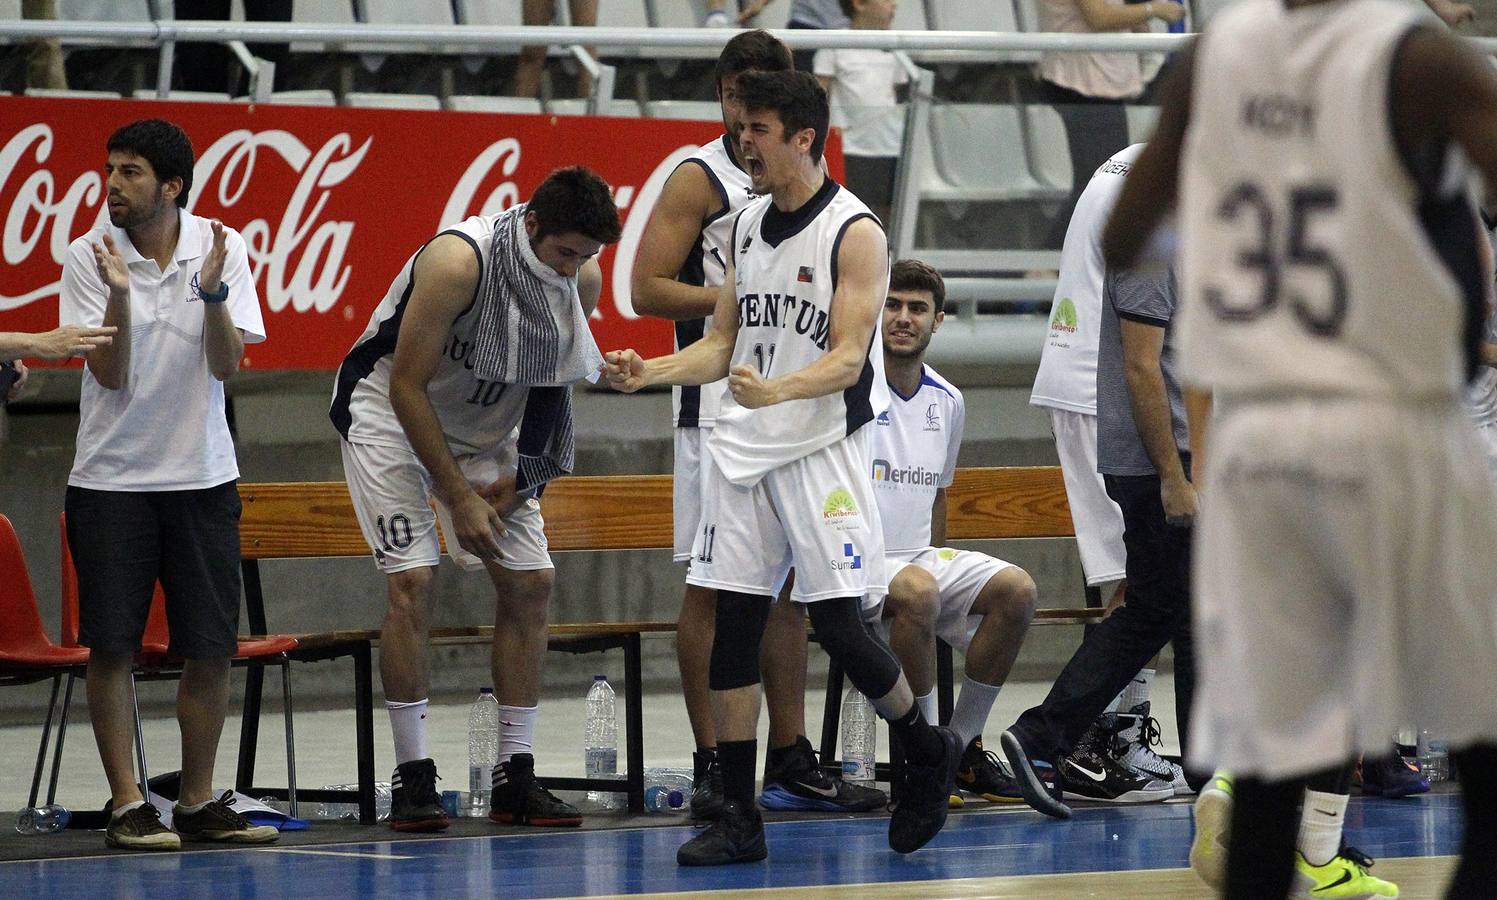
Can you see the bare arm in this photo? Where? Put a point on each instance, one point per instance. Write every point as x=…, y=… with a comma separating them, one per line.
x=1148, y=397
x=862, y=282
x=111, y=365
x=59, y=343
x=589, y=285
x=1150, y=190
x=1442, y=88
x=445, y=276
x=1103, y=16
x=1198, y=418
x=938, y=519
x=686, y=202
x=703, y=362
x=222, y=342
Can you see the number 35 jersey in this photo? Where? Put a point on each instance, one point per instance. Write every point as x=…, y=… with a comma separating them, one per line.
x=786, y=274
x=1315, y=257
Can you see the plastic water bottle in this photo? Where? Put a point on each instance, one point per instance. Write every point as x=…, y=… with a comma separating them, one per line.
x=667, y=790
x=48, y=819
x=483, y=750
x=349, y=812
x=600, y=744
x=859, y=737
x=1434, y=757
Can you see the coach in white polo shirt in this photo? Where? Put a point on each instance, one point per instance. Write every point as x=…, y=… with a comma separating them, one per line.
x=152, y=493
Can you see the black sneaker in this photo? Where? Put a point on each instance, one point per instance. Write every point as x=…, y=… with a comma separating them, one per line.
x=706, y=786
x=415, y=804
x=982, y=774
x=140, y=829
x=516, y=798
x=925, y=795
x=736, y=836
x=217, y=821
x=1091, y=772
x=799, y=783
x=1037, y=781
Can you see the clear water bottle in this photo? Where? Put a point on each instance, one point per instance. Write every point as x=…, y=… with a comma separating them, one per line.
x=48, y=819
x=859, y=737
x=483, y=750
x=1434, y=757
x=600, y=744
x=667, y=790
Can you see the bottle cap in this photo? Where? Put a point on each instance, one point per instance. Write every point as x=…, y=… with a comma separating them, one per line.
x=600, y=678
x=485, y=690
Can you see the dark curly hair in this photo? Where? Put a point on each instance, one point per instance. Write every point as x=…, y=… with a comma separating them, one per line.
x=575, y=199
x=915, y=275
x=751, y=51
x=797, y=97
x=163, y=145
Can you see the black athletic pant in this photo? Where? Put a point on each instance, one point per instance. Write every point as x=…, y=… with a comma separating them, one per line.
x=1157, y=612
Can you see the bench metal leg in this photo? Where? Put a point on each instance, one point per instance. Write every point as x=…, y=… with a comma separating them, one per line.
x=364, y=726
x=634, y=748
x=41, y=750
x=140, y=742
x=290, y=735
x=62, y=734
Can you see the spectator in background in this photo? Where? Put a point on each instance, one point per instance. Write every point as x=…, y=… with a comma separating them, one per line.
x=43, y=57
x=1088, y=89
x=533, y=59
x=205, y=66
x=861, y=86
x=803, y=14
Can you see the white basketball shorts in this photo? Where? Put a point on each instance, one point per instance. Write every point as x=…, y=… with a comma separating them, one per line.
x=1098, y=521
x=816, y=513
x=960, y=576
x=1344, y=574
x=687, y=488
x=392, y=498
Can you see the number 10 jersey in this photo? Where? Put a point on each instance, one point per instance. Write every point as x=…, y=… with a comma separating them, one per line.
x=1315, y=258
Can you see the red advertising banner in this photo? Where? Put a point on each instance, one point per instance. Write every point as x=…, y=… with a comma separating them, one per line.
x=331, y=201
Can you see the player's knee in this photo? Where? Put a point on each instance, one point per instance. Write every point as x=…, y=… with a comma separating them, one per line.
x=1014, y=595
x=410, y=594
x=526, y=595
x=913, y=598
x=734, y=663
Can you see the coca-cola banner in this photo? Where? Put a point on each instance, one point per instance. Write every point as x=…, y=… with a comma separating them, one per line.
x=331, y=202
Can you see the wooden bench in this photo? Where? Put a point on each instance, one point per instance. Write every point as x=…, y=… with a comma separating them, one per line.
x=307, y=520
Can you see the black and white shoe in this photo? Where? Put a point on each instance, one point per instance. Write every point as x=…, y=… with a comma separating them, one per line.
x=798, y=783
x=415, y=804
x=1091, y=772
x=1136, y=735
x=706, y=787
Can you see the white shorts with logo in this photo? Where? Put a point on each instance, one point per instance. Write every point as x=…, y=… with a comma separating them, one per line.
x=1098, y=521
x=392, y=498
x=960, y=576
x=687, y=488
x=1344, y=584
x=817, y=514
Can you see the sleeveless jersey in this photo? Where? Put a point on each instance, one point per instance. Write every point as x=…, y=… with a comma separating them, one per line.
x=914, y=445
x=1314, y=259
x=696, y=406
x=785, y=282
x=1067, y=377
x=476, y=415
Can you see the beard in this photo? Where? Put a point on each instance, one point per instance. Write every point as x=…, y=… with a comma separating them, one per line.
x=911, y=352
x=134, y=216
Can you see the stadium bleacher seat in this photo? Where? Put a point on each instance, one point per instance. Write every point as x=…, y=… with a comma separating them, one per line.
x=319, y=12
x=471, y=103
x=391, y=101
x=185, y=96
x=973, y=15
x=909, y=16
x=491, y=13
x=694, y=110
x=978, y=150
x=77, y=95
x=105, y=10
x=578, y=107
x=312, y=97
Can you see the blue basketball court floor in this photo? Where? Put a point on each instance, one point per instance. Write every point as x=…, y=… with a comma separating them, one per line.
x=985, y=851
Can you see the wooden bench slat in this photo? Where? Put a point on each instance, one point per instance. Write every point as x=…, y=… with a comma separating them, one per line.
x=1017, y=502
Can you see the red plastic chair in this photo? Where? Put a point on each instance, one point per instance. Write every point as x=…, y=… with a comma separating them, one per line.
x=155, y=660
x=27, y=654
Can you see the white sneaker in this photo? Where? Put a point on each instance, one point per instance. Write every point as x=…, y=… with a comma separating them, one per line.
x=717, y=19
x=1138, y=732
x=1213, y=815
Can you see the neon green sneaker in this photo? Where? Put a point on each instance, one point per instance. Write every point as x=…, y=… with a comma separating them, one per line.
x=1213, y=814
x=1344, y=878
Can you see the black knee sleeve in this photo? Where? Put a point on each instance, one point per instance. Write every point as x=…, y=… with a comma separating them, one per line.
x=735, y=644
x=1332, y=781
x=844, y=635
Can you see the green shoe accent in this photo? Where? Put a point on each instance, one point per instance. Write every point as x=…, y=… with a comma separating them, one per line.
x=1343, y=878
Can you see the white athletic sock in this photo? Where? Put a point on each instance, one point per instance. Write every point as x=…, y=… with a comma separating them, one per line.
x=193, y=808
x=928, y=711
x=516, y=730
x=1320, y=826
x=972, y=707
x=408, y=723
x=1137, y=690
x=126, y=808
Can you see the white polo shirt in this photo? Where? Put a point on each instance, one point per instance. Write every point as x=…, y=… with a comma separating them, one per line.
x=165, y=430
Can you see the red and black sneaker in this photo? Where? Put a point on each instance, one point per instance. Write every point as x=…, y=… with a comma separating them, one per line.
x=517, y=799
x=415, y=804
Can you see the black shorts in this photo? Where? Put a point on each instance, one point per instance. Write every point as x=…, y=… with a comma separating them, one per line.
x=871, y=179
x=123, y=541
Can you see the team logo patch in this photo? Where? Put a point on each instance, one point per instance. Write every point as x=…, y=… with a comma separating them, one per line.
x=840, y=511
x=806, y=275
x=1065, y=316
x=932, y=418
x=748, y=239
x=883, y=417
x=947, y=554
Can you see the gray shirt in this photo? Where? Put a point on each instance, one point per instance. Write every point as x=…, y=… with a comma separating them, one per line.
x=818, y=13
x=1147, y=296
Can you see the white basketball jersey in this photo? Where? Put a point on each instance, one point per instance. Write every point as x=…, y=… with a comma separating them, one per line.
x=786, y=275
x=1067, y=377
x=476, y=415
x=914, y=445
x=1313, y=258
x=696, y=406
